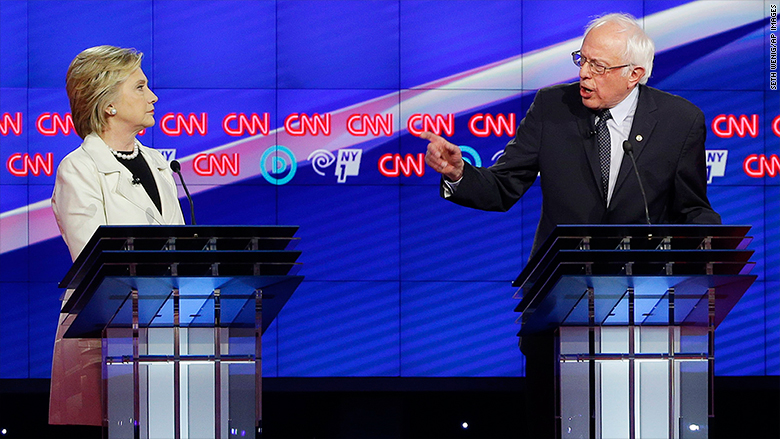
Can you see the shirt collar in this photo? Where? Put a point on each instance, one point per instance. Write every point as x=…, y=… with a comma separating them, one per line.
x=626, y=107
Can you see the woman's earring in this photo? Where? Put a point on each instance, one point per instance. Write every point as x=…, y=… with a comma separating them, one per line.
x=112, y=111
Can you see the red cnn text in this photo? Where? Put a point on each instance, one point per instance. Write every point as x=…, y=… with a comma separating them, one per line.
x=301, y=124
x=393, y=165
x=206, y=165
x=238, y=124
x=759, y=165
x=11, y=124
x=484, y=125
x=437, y=124
x=727, y=125
x=49, y=124
x=21, y=165
x=377, y=124
x=776, y=126
x=174, y=124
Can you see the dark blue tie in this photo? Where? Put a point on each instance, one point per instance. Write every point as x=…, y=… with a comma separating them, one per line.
x=605, y=146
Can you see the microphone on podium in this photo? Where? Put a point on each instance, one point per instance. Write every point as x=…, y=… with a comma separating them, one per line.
x=628, y=148
x=176, y=167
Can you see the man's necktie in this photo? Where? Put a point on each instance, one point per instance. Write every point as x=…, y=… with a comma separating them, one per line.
x=605, y=146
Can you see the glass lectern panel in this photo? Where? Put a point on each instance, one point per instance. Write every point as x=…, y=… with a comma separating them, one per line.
x=649, y=379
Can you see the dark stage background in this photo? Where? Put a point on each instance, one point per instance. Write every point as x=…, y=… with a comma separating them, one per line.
x=305, y=113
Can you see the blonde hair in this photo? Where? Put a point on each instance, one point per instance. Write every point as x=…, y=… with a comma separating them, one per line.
x=93, y=81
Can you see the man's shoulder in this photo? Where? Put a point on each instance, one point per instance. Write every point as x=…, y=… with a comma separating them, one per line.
x=561, y=89
x=555, y=95
x=667, y=101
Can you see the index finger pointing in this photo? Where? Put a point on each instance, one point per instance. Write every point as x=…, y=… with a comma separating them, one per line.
x=429, y=136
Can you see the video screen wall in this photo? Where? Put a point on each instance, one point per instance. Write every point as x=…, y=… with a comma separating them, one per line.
x=307, y=113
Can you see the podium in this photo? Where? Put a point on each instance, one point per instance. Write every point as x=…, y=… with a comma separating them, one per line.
x=181, y=311
x=633, y=310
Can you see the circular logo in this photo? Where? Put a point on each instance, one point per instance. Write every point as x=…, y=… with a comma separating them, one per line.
x=280, y=160
x=475, y=159
x=320, y=159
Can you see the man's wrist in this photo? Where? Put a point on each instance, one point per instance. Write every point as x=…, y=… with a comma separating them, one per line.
x=453, y=177
x=452, y=181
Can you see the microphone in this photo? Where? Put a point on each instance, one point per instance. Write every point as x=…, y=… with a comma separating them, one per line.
x=176, y=167
x=628, y=148
x=590, y=130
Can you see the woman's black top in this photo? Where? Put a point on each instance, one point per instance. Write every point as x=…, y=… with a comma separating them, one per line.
x=142, y=174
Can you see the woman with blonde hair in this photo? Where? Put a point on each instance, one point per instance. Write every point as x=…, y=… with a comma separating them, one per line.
x=110, y=179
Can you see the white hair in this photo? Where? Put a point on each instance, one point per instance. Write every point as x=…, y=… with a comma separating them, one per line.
x=640, y=49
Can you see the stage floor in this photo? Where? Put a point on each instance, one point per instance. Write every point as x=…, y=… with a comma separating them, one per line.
x=745, y=407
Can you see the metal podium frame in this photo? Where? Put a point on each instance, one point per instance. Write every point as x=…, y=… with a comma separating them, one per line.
x=625, y=298
x=221, y=284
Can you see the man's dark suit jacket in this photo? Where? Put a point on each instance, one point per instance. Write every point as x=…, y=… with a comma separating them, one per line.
x=554, y=140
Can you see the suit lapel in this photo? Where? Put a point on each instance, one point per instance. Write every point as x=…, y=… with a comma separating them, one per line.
x=641, y=131
x=114, y=171
x=159, y=168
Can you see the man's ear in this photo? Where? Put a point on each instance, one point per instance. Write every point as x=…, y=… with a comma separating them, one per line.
x=636, y=75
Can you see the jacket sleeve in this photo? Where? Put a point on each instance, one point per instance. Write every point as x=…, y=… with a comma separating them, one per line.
x=77, y=202
x=172, y=213
x=178, y=216
x=500, y=186
x=690, y=204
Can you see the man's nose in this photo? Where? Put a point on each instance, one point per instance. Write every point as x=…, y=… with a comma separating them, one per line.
x=584, y=70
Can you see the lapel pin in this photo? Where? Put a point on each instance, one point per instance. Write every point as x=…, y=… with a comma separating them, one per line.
x=639, y=137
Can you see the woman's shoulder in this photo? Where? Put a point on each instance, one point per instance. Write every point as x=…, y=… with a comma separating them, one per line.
x=78, y=158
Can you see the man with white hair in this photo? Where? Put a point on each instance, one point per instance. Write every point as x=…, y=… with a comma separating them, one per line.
x=573, y=137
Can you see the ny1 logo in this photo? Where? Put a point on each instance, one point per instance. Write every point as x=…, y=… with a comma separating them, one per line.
x=716, y=163
x=347, y=164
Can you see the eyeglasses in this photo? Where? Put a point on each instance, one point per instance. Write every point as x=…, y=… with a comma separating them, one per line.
x=595, y=66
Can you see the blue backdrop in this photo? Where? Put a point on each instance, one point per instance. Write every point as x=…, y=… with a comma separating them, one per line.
x=304, y=112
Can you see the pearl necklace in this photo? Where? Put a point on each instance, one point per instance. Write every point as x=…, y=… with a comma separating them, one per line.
x=124, y=156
